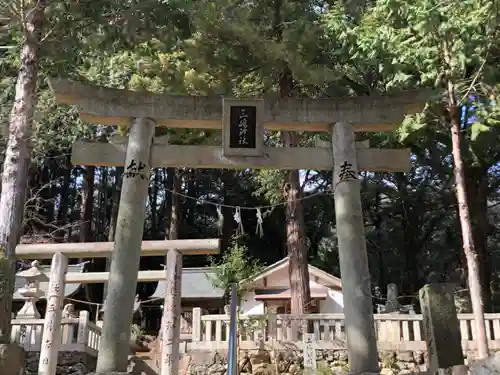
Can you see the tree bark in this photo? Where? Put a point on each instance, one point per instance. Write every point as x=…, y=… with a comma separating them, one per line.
x=87, y=205
x=17, y=156
x=298, y=272
x=476, y=178
x=46, y=195
x=228, y=224
x=377, y=220
x=102, y=203
x=112, y=220
x=175, y=213
x=169, y=187
x=153, y=201
x=63, y=211
x=114, y=208
x=465, y=222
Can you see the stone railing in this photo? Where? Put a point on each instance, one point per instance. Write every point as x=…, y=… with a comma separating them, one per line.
x=77, y=334
x=397, y=332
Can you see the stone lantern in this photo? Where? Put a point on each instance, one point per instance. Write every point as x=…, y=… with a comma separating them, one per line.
x=30, y=334
x=31, y=292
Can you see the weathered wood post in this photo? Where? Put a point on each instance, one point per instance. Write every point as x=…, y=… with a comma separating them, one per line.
x=51, y=337
x=115, y=345
x=172, y=311
x=358, y=307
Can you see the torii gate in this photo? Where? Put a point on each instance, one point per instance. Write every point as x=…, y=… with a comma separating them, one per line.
x=242, y=123
x=61, y=252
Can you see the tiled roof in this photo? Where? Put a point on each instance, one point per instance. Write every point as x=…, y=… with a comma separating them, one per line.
x=196, y=283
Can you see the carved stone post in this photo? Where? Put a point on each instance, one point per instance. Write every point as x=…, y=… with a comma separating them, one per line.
x=115, y=341
x=51, y=338
x=441, y=326
x=358, y=307
x=171, y=314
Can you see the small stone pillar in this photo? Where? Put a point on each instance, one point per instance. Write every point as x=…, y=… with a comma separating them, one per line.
x=51, y=338
x=30, y=293
x=196, y=322
x=441, y=326
x=309, y=354
x=171, y=315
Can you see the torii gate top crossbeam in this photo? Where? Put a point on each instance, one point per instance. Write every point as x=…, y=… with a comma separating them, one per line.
x=108, y=106
x=104, y=249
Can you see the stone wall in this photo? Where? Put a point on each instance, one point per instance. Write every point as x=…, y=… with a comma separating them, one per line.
x=334, y=362
x=68, y=363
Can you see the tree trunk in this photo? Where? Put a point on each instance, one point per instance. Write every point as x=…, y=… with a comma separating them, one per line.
x=46, y=193
x=477, y=196
x=63, y=211
x=175, y=213
x=115, y=204
x=296, y=242
x=298, y=272
x=17, y=157
x=102, y=204
x=377, y=220
x=86, y=216
x=227, y=212
x=465, y=222
x=153, y=196
x=470, y=250
x=169, y=188
x=190, y=205
x=87, y=205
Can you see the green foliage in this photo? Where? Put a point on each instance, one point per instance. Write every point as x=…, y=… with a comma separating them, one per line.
x=434, y=37
x=251, y=323
x=398, y=44
x=220, y=48
x=234, y=267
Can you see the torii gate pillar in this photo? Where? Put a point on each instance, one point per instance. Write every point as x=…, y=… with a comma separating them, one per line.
x=354, y=272
x=115, y=346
